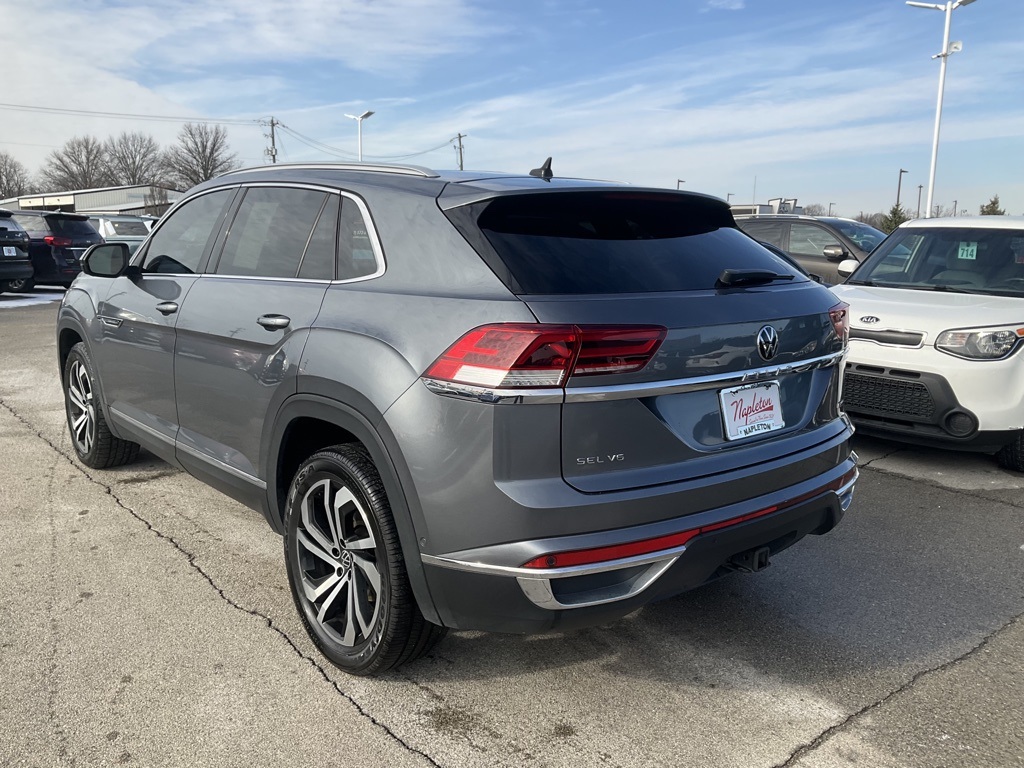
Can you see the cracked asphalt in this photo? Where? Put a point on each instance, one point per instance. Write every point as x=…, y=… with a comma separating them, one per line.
x=145, y=620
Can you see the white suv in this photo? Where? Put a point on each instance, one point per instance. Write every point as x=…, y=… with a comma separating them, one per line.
x=936, y=329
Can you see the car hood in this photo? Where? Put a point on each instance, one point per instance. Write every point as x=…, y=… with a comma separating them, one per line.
x=928, y=312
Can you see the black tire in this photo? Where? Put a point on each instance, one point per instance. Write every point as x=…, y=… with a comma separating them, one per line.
x=95, y=445
x=344, y=561
x=1012, y=456
x=22, y=285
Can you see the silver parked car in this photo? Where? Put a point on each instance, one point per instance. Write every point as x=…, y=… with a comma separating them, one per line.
x=120, y=228
x=469, y=400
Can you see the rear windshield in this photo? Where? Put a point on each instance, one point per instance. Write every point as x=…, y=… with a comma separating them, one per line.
x=610, y=242
x=129, y=228
x=58, y=225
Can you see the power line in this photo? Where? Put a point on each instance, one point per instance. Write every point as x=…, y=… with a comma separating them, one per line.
x=127, y=115
x=328, y=149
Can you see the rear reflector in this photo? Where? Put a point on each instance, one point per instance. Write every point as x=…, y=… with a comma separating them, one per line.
x=672, y=540
x=517, y=355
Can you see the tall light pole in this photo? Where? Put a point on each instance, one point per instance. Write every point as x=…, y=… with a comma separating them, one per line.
x=954, y=207
x=919, y=188
x=830, y=208
x=359, y=122
x=728, y=196
x=680, y=182
x=948, y=7
x=899, y=183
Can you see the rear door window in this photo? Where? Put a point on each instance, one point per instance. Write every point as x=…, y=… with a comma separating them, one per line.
x=765, y=231
x=610, y=242
x=270, y=232
x=129, y=228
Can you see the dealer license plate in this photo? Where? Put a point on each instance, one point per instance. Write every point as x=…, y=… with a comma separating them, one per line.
x=10, y=250
x=753, y=409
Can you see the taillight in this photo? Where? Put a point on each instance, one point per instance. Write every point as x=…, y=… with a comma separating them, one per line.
x=536, y=355
x=58, y=242
x=840, y=316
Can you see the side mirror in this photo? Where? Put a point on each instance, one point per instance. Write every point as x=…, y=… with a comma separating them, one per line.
x=847, y=267
x=834, y=252
x=106, y=260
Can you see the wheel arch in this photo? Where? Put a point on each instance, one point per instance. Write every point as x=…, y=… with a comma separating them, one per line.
x=308, y=423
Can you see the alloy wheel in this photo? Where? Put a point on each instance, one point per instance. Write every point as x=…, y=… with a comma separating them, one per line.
x=337, y=555
x=81, y=408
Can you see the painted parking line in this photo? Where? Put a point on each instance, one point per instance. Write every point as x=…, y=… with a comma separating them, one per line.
x=14, y=300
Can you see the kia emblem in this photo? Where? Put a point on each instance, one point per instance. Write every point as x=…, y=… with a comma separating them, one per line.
x=767, y=342
x=869, y=319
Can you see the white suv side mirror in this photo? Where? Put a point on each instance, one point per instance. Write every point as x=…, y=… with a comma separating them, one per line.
x=846, y=268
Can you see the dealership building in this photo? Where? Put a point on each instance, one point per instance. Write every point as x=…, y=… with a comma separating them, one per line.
x=139, y=199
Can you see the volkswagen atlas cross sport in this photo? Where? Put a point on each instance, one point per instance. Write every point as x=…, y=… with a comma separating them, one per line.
x=468, y=400
x=937, y=330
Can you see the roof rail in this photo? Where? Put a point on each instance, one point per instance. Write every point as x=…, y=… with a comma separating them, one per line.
x=409, y=170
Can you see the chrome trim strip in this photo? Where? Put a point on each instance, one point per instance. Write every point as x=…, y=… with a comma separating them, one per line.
x=117, y=415
x=554, y=573
x=220, y=464
x=110, y=322
x=721, y=380
x=539, y=592
x=922, y=334
x=494, y=396
x=623, y=391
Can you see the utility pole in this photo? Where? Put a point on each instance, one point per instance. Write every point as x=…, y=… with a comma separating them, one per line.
x=899, y=184
x=919, y=188
x=271, y=151
x=459, y=137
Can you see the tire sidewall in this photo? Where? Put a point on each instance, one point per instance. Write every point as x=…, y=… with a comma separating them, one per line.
x=365, y=656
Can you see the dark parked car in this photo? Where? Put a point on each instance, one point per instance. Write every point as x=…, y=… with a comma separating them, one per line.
x=476, y=401
x=15, y=265
x=57, y=242
x=819, y=243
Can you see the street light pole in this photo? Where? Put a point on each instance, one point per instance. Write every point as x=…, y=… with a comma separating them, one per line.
x=954, y=207
x=359, y=122
x=899, y=184
x=728, y=196
x=680, y=182
x=948, y=7
x=919, y=188
x=830, y=208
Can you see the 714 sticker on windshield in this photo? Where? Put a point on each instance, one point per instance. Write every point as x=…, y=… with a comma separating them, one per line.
x=967, y=251
x=751, y=410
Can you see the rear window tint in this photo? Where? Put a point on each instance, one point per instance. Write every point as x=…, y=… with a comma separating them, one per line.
x=129, y=228
x=610, y=242
x=58, y=225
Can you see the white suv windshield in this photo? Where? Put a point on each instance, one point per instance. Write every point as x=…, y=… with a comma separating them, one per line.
x=959, y=259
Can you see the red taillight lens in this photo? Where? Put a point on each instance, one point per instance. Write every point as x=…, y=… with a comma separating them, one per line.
x=840, y=316
x=536, y=355
x=59, y=242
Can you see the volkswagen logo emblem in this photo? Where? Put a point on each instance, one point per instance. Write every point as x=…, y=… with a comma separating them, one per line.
x=767, y=342
x=869, y=319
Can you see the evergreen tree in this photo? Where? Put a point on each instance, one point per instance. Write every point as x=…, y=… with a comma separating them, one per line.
x=991, y=208
x=896, y=216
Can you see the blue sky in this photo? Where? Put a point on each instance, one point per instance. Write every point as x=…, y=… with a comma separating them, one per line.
x=822, y=101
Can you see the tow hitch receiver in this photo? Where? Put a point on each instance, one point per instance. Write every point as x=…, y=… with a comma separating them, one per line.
x=752, y=560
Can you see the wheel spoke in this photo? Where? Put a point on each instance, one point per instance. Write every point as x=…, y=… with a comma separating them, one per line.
x=76, y=396
x=349, y=638
x=369, y=569
x=315, y=590
x=81, y=425
x=308, y=521
x=342, y=582
x=314, y=548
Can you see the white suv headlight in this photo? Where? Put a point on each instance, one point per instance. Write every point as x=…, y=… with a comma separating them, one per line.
x=979, y=343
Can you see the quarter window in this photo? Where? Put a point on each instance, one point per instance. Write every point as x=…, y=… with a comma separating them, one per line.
x=178, y=246
x=270, y=232
x=355, y=254
x=318, y=260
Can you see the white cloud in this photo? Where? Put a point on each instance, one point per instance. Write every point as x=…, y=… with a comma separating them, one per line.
x=727, y=5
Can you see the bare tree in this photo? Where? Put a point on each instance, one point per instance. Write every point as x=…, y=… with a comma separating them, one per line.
x=14, y=178
x=873, y=219
x=201, y=153
x=815, y=209
x=134, y=158
x=80, y=164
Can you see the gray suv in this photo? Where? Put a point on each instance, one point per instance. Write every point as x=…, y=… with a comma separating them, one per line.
x=468, y=400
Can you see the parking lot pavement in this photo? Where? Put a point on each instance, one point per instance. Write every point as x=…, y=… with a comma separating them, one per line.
x=41, y=295
x=144, y=618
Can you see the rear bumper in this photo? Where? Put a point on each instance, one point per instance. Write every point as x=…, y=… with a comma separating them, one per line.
x=15, y=270
x=487, y=589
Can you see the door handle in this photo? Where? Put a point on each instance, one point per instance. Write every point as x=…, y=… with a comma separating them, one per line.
x=274, y=322
x=167, y=307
